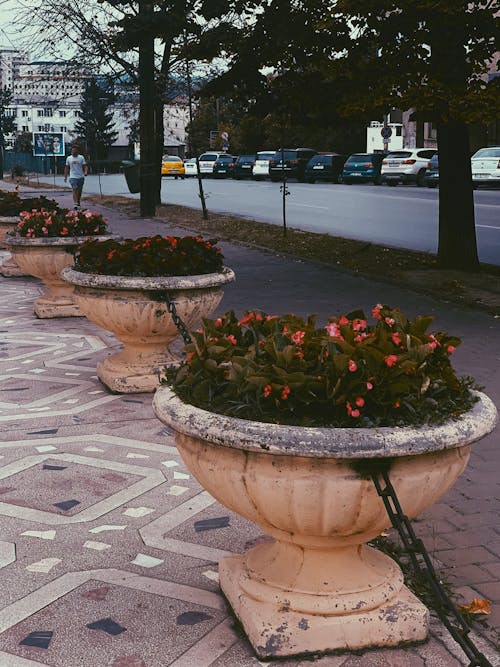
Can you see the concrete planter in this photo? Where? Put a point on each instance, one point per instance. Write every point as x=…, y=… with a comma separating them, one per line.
x=317, y=586
x=45, y=258
x=134, y=310
x=9, y=267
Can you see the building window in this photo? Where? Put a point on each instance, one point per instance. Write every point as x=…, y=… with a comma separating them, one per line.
x=62, y=113
x=63, y=128
x=40, y=128
x=24, y=113
x=24, y=128
x=39, y=113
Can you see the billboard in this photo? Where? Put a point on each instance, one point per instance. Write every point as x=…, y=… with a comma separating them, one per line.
x=48, y=143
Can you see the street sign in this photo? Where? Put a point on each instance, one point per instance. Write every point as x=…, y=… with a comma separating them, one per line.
x=224, y=135
x=386, y=132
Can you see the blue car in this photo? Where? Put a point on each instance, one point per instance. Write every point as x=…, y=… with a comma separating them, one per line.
x=363, y=168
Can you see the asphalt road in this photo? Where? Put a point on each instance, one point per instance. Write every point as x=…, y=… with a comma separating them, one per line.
x=404, y=216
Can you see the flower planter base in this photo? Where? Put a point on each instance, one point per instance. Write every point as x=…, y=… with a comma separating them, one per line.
x=282, y=623
x=48, y=306
x=122, y=374
x=11, y=269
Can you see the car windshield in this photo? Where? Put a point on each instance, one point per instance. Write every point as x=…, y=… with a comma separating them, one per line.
x=266, y=156
x=359, y=157
x=225, y=159
x=321, y=159
x=209, y=157
x=399, y=154
x=171, y=158
x=285, y=154
x=246, y=158
x=488, y=152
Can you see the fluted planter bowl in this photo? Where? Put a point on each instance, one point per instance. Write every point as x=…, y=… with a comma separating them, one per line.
x=134, y=309
x=45, y=258
x=317, y=586
x=9, y=266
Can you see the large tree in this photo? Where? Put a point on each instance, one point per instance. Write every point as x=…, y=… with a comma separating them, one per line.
x=95, y=124
x=370, y=57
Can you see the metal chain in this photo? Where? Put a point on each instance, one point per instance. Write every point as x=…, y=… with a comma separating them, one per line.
x=181, y=327
x=422, y=565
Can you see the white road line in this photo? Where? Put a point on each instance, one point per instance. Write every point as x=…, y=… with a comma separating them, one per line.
x=292, y=203
x=488, y=227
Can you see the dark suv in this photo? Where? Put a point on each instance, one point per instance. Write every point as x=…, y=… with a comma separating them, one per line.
x=325, y=167
x=223, y=166
x=290, y=163
x=243, y=167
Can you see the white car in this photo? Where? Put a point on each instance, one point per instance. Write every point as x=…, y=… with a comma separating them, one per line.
x=190, y=167
x=207, y=161
x=407, y=165
x=485, y=165
x=261, y=165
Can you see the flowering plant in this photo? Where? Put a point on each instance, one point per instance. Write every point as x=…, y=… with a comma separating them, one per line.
x=284, y=369
x=53, y=223
x=12, y=204
x=150, y=256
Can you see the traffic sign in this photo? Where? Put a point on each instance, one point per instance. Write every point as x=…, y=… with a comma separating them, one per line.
x=224, y=136
x=386, y=132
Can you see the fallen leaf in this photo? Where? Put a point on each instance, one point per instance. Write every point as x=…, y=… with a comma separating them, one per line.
x=477, y=606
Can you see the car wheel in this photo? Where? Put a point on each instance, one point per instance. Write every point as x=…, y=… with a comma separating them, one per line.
x=420, y=178
x=310, y=180
x=377, y=180
x=392, y=183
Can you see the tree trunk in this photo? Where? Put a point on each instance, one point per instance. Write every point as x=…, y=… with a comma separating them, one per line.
x=457, y=247
x=147, y=109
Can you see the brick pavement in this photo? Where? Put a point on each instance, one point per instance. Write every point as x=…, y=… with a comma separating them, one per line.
x=125, y=548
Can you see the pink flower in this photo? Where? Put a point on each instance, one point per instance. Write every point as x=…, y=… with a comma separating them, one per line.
x=360, y=337
x=360, y=401
x=450, y=349
x=333, y=330
x=391, y=360
x=246, y=319
x=355, y=413
x=343, y=321
x=359, y=325
x=298, y=337
x=232, y=339
x=376, y=311
x=45, y=230
x=369, y=386
x=267, y=390
x=64, y=231
x=352, y=366
x=397, y=404
x=189, y=356
x=390, y=321
x=218, y=322
x=396, y=338
x=286, y=391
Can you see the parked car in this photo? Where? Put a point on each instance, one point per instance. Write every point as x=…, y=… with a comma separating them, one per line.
x=190, y=167
x=207, y=162
x=407, y=165
x=243, y=167
x=485, y=165
x=224, y=166
x=290, y=163
x=363, y=168
x=431, y=176
x=172, y=165
x=261, y=165
x=325, y=167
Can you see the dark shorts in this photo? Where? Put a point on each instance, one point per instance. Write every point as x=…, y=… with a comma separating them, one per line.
x=76, y=183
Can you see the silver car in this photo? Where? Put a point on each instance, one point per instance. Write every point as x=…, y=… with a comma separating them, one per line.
x=485, y=164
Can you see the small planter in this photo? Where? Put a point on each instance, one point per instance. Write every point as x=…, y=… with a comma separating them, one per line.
x=135, y=311
x=8, y=268
x=317, y=587
x=45, y=258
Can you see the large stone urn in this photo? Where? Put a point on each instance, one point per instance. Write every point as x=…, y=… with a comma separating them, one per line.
x=317, y=586
x=45, y=258
x=9, y=266
x=134, y=309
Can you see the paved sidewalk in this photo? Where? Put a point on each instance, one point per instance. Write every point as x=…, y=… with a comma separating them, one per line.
x=109, y=548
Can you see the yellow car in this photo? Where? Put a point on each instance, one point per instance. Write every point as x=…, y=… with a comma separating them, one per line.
x=172, y=165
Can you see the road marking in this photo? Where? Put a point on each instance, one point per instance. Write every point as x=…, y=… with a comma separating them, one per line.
x=488, y=227
x=292, y=203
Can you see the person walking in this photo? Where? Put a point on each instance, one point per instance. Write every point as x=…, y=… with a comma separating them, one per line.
x=76, y=168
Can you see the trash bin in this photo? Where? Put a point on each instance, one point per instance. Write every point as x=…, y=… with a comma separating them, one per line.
x=131, y=171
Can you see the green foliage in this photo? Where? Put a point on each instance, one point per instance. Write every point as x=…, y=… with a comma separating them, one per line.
x=150, y=256
x=12, y=204
x=61, y=222
x=95, y=124
x=284, y=369
x=23, y=143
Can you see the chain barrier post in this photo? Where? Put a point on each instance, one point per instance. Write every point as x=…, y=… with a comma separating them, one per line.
x=422, y=565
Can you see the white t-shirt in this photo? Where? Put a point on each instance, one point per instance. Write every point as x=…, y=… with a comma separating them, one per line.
x=75, y=164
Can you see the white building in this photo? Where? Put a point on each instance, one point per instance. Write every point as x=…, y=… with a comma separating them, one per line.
x=49, y=82
x=10, y=61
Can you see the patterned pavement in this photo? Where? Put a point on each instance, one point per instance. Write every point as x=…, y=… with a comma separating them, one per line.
x=109, y=548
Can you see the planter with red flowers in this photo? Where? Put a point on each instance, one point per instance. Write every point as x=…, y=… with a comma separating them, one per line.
x=43, y=244
x=11, y=205
x=285, y=422
x=125, y=287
